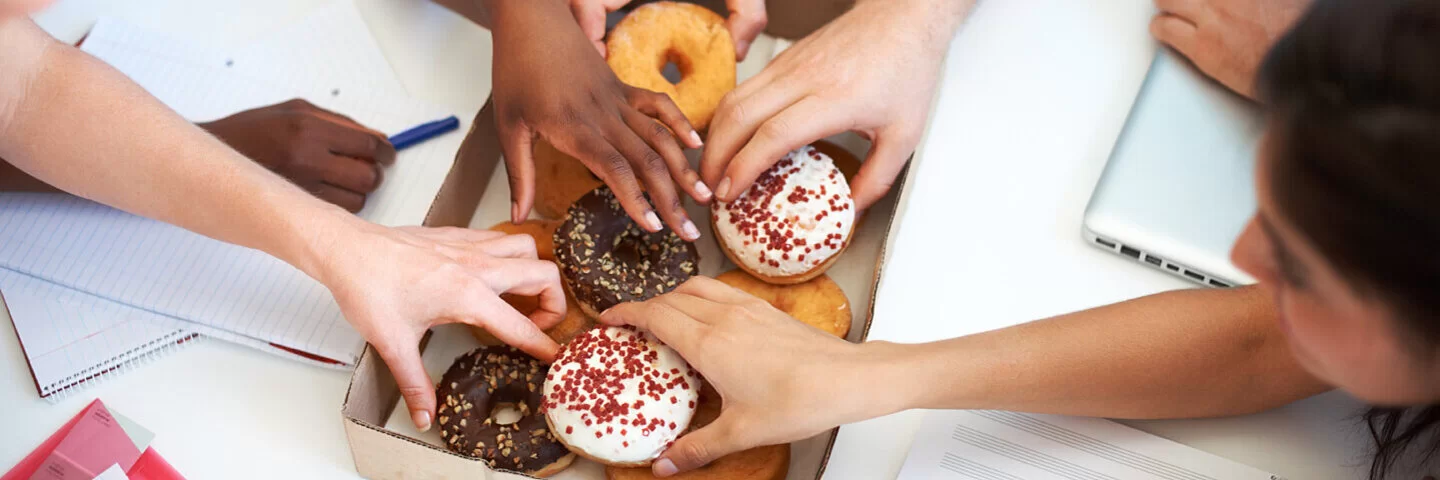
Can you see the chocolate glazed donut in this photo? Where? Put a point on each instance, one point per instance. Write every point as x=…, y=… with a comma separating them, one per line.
x=470, y=391
x=606, y=259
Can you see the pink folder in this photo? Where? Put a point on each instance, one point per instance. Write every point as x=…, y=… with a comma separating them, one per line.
x=87, y=445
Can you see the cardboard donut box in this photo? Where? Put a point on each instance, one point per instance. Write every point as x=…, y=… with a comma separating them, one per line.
x=384, y=444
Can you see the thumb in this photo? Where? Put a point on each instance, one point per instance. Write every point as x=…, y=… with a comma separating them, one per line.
x=403, y=358
x=698, y=448
x=887, y=158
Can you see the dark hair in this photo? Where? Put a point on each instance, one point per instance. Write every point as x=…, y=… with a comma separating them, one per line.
x=1353, y=91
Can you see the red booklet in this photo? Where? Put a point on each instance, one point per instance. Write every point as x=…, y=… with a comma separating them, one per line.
x=85, y=446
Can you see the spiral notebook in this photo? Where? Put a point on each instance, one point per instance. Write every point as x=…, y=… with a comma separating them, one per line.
x=94, y=291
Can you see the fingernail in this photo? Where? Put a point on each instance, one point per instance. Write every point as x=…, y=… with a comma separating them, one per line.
x=702, y=190
x=695, y=137
x=422, y=420
x=664, y=468
x=515, y=212
x=653, y=221
x=691, y=233
x=723, y=189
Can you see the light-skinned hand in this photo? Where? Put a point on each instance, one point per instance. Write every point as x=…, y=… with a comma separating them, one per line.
x=1226, y=39
x=550, y=84
x=872, y=71
x=325, y=153
x=393, y=284
x=747, y=19
x=781, y=380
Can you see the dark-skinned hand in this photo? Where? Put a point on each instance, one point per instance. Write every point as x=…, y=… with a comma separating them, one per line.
x=325, y=153
x=550, y=84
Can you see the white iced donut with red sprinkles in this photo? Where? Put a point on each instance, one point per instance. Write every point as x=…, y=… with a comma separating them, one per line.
x=618, y=396
x=792, y=223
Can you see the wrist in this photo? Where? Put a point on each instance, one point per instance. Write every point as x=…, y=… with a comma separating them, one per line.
x=922, y=376
x=891, y=372
x=310, y=236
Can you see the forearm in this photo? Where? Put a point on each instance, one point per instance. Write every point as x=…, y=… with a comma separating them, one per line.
x=483, y=12
x=1192, y=353
x=75, y=123
x=14, y=180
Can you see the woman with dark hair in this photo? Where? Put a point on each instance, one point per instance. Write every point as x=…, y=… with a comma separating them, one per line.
x=1344, y=245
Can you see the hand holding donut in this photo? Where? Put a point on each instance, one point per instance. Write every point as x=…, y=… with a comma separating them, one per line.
x=779, y=377
x=747, y=19
x=552, y=86
x=845, y=76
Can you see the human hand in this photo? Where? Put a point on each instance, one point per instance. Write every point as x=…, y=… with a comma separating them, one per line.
x=1226, y=39
x=393, y=284
x=780, y=380
x=837, y=79
x=747, y=19
x=549, y=84
x=325, y=153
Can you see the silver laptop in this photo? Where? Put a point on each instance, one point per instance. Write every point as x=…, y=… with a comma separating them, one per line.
x=1180, y=183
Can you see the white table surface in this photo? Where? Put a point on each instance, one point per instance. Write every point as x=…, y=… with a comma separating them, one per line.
x=1035, y=92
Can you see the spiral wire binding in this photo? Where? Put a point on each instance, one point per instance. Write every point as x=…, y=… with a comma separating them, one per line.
x=118, y=364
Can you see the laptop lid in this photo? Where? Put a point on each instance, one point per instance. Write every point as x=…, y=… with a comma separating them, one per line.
x=1179, y=186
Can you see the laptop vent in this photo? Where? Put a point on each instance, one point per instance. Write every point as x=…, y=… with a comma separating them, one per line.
x=1161, y=263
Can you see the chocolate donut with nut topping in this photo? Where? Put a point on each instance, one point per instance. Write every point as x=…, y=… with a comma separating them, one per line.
x=475, y=386
x=606, y=259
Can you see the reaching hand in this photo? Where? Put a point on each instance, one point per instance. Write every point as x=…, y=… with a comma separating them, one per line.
x=394, y=284
x=325, y=153
x=549, y=84
x=845, y=76
x=747, y=19
x=781, y=380
x=1227, y=39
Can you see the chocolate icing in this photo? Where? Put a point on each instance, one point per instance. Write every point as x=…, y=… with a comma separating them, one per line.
x=606, y=259
x=474, y=386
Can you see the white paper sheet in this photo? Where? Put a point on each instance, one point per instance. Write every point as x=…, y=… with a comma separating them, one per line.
x=996, y=445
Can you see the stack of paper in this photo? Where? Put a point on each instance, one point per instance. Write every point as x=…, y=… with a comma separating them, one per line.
x=91, y=289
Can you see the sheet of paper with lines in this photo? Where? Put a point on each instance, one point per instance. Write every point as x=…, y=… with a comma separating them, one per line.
x=995, y=445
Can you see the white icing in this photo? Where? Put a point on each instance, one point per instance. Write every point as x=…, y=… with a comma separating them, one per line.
x=805, y=168
x=627, y=442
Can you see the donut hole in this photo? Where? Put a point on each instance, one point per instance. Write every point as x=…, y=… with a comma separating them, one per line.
x=675, y=68
x=506, y=413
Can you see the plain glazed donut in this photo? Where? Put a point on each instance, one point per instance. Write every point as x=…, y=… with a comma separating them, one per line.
x=792, y=223
x=693, y=38
x=818, y=302
x=542, y=231
x=618, y=396
x=560, y=179
x=606, y=259
x=470, y=391
x=759, y=463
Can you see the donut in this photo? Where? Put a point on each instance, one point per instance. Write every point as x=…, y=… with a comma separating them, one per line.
x=690, y=36
x=760, y=463
x=560, y=179
x=606, y=259
x=543, y=231
x=792, y=223
x=575, y=320
x=475, y=386
x=618, y=396
x=818, y=302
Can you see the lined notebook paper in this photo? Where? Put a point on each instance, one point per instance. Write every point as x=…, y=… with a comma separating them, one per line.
x=996, y=445
x=90, y=287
